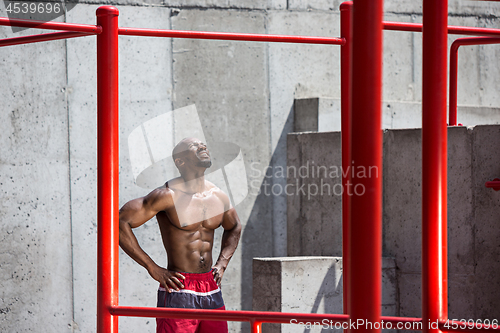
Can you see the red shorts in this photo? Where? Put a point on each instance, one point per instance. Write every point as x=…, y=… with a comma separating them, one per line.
x=200, y=292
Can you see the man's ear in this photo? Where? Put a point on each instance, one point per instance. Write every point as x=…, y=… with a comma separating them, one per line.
x=178, y=162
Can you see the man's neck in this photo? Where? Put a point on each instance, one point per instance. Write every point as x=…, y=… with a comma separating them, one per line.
x=194, y=182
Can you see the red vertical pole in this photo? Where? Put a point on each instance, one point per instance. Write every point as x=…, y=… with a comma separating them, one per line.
x=107, y=168
x=345, y=100
x=366, y=203
x=434, y=164
x=256, y=326
x=453, y=84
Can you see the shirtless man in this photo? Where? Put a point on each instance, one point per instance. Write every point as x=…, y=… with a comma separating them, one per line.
x=188, y=210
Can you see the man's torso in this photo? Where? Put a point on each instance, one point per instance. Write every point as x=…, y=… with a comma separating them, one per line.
x=187, y=228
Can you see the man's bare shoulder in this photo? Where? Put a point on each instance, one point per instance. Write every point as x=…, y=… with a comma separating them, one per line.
x=160, y=196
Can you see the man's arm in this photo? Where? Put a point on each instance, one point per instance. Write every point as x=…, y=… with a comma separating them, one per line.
x=134, y=214
x=230, y=238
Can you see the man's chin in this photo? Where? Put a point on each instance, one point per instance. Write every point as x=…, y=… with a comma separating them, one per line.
x=205, y=164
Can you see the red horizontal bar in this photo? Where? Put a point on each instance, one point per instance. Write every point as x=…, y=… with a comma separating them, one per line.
x=474, y=41
x=458, y=326
x=452, y=30
x=494, y=184
x=230, y=36
x=402, y=26
x=390, y=319
x=91, y=29
x=228, y=315
x=41, y=38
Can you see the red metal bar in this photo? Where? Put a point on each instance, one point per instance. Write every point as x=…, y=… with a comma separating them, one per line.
x=254, y=317
x=107, y=168
x=365, y=293
x=452, y=30
x=256, y=326
x=453, y=102
x=229, y=36
x=402, y=26
x=345, y=100
x=91, y=29
x=494, y=184
x=227, y=315
x=434, y=164
x=458, y=326
x=40, y=38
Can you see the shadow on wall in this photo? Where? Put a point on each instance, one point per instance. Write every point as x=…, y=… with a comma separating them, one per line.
x=325, y=291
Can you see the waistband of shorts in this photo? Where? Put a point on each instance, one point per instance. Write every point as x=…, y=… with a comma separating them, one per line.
x=198, y=276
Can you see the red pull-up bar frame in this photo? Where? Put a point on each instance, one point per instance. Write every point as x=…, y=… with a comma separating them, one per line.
x=453, y=103
x=361, y=60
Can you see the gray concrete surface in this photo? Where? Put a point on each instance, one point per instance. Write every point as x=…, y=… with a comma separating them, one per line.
x=312, y=190
x=35, y=242
x=317, y=115
x=244, y=93
x=322, y=114
x=309, y=285
x=473, y=213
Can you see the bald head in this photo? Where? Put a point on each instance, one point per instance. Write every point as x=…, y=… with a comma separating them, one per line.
x=192, y=146
x=182, y=147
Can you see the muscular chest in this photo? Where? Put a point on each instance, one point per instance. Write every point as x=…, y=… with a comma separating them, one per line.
x=192, y=210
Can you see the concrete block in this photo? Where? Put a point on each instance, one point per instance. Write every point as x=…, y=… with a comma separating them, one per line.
x=486, y=166
x=399, y=115
x=402, y=203
x=314, y=206
x=461, y=305
x=305, y=115
x=309, y=285
x=460, y=202
x=329, y=115
x=317, y=115
x=410, y=294
x=314, y=5
x=477, y=115
x=472, y=214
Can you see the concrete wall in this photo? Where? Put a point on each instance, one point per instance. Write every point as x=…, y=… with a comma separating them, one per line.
x=473, y=214
x=322, y=114
x=309, y=285
x=244, y=93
